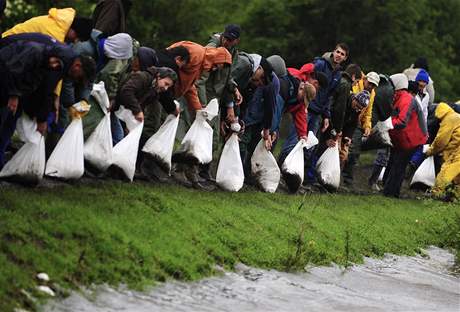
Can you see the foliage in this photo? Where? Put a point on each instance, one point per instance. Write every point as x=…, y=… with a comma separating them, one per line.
x=140, y=233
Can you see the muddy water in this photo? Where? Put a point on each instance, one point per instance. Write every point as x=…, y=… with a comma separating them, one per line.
x=390, y=284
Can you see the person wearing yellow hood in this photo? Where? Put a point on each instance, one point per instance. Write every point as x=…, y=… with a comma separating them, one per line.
x=447, y=142
x=60, y=24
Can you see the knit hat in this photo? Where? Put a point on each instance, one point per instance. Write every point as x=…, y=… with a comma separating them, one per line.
x=422, y=76
x=119, y=46
x=232, y=32
x=362, y=98
x=147, y=57
x=373, y=78
x=278, y=64
x=400, y=81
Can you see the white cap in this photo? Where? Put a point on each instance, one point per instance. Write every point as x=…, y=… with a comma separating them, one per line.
x=373, y=78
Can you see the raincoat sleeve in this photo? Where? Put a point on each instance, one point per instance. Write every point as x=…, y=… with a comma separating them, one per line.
x=111, y=74
x=442, y=139
x=201, y=87
x=191, y=96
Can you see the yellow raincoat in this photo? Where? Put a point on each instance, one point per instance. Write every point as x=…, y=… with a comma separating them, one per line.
x=56, y=24
x=365, y=117
x=447, y=142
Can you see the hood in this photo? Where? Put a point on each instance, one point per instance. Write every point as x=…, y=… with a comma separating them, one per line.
x=278, y=64
x=214, y=56
x=63, y=17
x=443, y=110
x=328, y=57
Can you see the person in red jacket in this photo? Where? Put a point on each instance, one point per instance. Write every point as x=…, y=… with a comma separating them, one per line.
x=409, y=132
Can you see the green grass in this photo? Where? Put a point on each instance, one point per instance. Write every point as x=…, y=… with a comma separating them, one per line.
x=139, y=233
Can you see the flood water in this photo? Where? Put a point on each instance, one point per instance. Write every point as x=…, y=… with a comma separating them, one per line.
x=393, y=283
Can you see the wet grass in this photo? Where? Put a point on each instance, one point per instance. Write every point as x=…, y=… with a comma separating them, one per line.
x=140, y=233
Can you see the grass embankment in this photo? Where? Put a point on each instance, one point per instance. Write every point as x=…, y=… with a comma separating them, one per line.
x=139, y=233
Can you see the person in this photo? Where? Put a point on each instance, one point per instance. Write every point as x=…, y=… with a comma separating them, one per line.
x=319, y=113
x=381, y=111
x=303, y=80
x=412, y=72
x=368, y=82
x=61, y=24
x=408, y=133
x=109, y=16
x=32, y=64
x=447, y=143
x=220, y=85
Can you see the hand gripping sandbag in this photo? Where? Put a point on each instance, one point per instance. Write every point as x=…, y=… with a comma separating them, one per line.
x=425, y=173
x=67, y=160
x=98, y=148
x=230, y=174
x=125, y=152
x=328, y=167
x=379, y=137
x=161, y=144
x=264, y=168
x=28, y=164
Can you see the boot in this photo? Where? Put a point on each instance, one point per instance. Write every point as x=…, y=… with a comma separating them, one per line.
x=205, y=172
x=191, y=173
x=373, y=179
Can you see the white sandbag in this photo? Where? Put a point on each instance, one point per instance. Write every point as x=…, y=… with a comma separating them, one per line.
x=161, y=144
x=264, y=168
x=125, y=152
x=196, y=147
x=312, y=140
x=328, y=167
x=98, y=149
x=230, y=174
x=28, y=164
x=293, y=166
x=212, y=109
x=382, y=172
x=66, y=160
x=379, y=136
x=425, y=173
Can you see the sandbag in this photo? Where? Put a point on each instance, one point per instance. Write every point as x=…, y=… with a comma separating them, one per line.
x=328, y=167
x=293, y=166
x=264, y=168
x=382, y=173
x=98, y=147
x=425, y=173
x=379, y=136
x=28, y=164
x=161, y=144
x=230, y=174
x=196, y=146
x=66, y=161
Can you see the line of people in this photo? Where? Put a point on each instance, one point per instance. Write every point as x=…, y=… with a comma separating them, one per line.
x=50, y=62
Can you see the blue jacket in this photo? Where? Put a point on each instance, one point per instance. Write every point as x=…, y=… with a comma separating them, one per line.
x=322, y=103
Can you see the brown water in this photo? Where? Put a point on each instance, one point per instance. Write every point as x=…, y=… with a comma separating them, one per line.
x=393, y=283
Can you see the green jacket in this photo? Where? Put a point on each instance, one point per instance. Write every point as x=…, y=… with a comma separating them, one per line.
x=219, y=83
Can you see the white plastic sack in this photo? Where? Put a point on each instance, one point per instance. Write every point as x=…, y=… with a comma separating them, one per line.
x=381, y=174
x=197, y=143
x=127, y=116
x=328, y=167
x=293, y=166
x=425, y=173
x=66, y=160
x=265, y=168
x=379, y=136
x=230, y=174
x=28, y=164
x=125, y=152
x=212, y=109
x=161, y=144
x=98, y=149
x=312, y=140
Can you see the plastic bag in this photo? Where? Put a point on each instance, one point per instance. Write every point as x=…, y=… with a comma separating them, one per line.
x=265, y=168
x=124, y=154
x=196, y=146
x=293, y=165
x=230, y=174
x=28, y=164
x=66, y=160
x=425, y=173
x=161, y=144
x=379, y=136
x=98, y=148
x=382, y=173
x=328, y=167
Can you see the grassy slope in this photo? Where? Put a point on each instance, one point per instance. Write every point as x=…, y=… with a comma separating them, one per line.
x=136, y=233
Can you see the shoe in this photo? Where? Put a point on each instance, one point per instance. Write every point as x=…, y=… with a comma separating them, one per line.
x=375, y=187
x=180, y=178
x=203, y=186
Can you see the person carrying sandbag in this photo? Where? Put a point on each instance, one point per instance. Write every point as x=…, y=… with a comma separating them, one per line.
x=447, y=142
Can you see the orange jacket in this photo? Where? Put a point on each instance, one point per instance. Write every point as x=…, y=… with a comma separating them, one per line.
x=201, y=59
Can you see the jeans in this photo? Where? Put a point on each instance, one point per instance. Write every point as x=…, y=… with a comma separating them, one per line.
x=395, y=171
x=117, y=130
